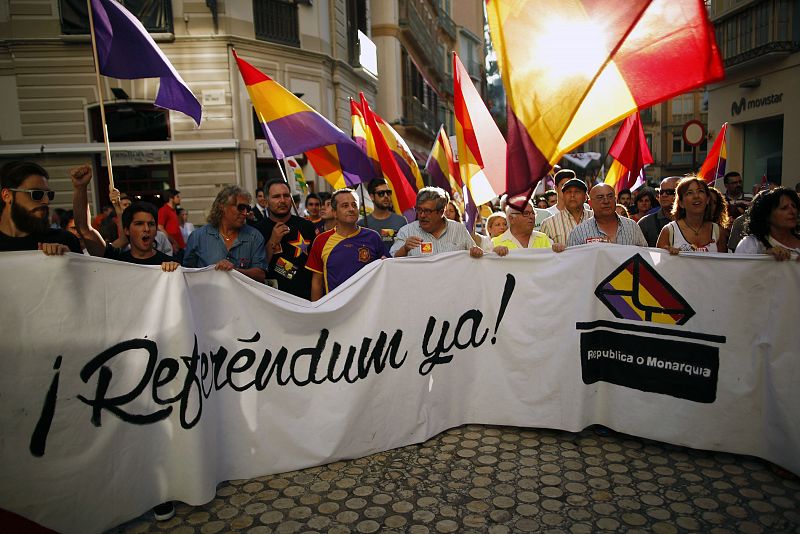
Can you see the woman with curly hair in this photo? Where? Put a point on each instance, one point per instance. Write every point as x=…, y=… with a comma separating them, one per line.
x=770, y=224
x=691, y=228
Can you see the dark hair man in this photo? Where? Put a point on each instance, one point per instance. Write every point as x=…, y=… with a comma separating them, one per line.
x=260, y=209
x=138, y=226
x=227, y=242
x=738, y=202
x=625, y=197
x=340, y=253
x=432, y=233
x=25, y=215
x=382, y=219
x=558, y=227
x=313, y=204
x=652, y=223
x=327, y=217
x=168, y=220
x=288, y=240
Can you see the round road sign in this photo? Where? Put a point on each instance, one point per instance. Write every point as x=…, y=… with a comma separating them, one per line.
x=694, y=132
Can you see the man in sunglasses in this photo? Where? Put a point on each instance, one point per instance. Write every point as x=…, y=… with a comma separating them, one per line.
x=227, y=242
x=652, y=223
x=432, y=233
x=383, y=219
x=25, y=220
x=288, y=240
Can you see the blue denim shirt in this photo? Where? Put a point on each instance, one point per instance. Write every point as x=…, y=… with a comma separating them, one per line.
x=206, y=247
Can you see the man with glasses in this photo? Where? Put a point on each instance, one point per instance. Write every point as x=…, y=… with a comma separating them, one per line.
x=520, y=233
x=606, y=226
x=382, y=219
x=25, y=216
x=340, y=253
x=288, y=240
x=652, y=223
x=227, y=242
x=558, y=227
x=432, y=233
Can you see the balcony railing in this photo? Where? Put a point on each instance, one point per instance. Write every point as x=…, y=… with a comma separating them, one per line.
x=446, y=23
x=419, y=116
x=276, y=21
x=155, y=15
x=765, y=27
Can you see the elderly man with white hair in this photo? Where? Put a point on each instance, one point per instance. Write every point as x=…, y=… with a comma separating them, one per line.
x=520, y=233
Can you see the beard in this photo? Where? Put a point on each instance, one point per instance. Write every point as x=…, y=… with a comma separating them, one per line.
x=28, y=222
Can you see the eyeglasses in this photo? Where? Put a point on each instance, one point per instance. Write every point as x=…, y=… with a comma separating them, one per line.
x=426, y=211
x=668, y=192
x=36, y=194
x=384, y=193
x=243, y=208
x=524, y=214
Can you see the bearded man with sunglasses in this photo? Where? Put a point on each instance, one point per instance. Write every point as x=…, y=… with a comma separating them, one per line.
x=227, y=242
x=383, y=219
x=432, y=233
x=25, y=220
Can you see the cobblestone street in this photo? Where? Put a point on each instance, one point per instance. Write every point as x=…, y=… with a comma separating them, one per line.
x=502, y=479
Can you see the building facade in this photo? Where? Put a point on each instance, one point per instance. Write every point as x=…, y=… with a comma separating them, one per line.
x=321, y=51
x=759, y=98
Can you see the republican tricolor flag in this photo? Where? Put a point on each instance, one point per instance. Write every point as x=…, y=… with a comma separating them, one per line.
x=441, y=165
x=572, y=68
x=292, y=127
x=714, y=166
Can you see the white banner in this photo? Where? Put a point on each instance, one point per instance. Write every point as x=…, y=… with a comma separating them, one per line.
x=124, y=387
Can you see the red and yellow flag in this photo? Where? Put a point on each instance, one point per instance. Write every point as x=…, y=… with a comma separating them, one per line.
x=442, y=166
x=403, y=197
x=481, y=146
x=630, y=153
x=586, y=64
x=714, y=166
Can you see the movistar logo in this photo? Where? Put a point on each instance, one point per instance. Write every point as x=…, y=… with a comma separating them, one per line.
x=742, y=104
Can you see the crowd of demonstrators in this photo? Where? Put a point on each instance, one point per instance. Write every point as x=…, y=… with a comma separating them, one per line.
x=432, y=233
x=771, y=225
x=288, y=240
x=338, y=254
x=227, y=242
x=652, y=223
x=25, y=215
x=520, y=232
x=313, y=205
x=692, y=228
x=574, y=212
x=326, y=217
x=383, y=219
x=169, y=224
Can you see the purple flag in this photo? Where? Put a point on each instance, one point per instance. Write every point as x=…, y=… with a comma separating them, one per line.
x=125, y=50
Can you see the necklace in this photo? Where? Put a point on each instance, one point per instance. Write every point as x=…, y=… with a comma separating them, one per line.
x=696, y=231
x=226, y=238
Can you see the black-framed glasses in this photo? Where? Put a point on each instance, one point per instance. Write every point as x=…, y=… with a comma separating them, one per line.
x=384, y=193
x=243, y=208
x=670, y=192
x=426, y=211
x=36, y=194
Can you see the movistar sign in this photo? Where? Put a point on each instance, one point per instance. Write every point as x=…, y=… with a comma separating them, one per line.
x=741, y=105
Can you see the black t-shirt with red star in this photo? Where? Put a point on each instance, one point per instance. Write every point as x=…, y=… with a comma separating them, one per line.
x=288, y=263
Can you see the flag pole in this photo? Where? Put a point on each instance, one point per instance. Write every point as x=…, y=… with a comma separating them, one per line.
x=281, y=162
x=100, y=98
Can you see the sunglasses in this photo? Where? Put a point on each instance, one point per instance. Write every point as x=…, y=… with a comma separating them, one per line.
x=386, y=193
x=36, y=194
x=670, y=192
x=243, y=208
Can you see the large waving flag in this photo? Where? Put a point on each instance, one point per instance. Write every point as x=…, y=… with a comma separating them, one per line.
x=481, y=146
x=714, y=166
x=397, y=145
x=292, y=127
x=404, y=197
x=125, y=50
x=586, y=64
x=442, y=166
x=361, y=135
x=630, y=153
